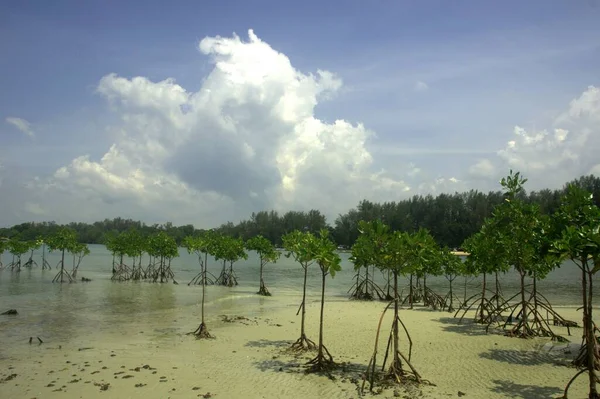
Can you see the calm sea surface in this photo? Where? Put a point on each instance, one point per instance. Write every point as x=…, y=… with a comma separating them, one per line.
x=58, y=312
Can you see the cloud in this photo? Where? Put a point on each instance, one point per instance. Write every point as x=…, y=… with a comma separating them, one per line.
x=552, y=156
x=421, y=86
x=247, y=140
x=482, y=169
x=22, y=125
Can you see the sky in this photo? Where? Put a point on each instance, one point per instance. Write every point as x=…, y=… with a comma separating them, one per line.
x=204, y=112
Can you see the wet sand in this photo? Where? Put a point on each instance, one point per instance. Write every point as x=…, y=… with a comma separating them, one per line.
x=247, y=359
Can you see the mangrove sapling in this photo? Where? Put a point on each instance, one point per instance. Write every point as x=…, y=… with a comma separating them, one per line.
x=579, y=241
x=134, y=248
x=267, y=254
x=230, y=250
x=164, y=247
x=45, y=263
x=33, y=245
x=79, y=251
x=393, y=252
x=302, y=247
x=117, y=244
x=17, y=248
x=427, y=261
x=203, y=244
x=329, y=262
x=452, y=267
x=523, y=233
x=218, y=252
x=485, y=257
x=362, y=257
x=199, y=246
x=62, y=240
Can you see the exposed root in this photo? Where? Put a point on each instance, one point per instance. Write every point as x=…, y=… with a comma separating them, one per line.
x=535, y=324
x=485, y=308
x=365, y=290
x=121, y=273
x=263, y=290
x=62, y=276
x=30, y=262
x=396, y=372
x=572, y=380
x=449, y=301
x=581, y=359
x=162, y=273
x=201, y=332
x=203, y=275
x=322, y=362
x=303, y=344
x=432, y=299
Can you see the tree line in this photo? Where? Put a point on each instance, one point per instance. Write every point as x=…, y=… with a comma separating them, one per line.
x=450, y=218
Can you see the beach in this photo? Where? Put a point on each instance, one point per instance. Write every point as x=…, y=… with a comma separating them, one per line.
x=154, y=358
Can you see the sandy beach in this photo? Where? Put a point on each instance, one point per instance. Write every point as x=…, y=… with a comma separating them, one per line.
x=247, y=359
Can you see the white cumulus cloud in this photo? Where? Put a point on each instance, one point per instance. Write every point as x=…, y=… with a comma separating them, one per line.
x=247, y=140
x=553, y=156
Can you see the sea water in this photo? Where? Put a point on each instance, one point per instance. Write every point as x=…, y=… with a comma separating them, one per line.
x=61, y=312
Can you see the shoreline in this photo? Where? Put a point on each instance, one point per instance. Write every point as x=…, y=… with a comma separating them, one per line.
x=245, y=360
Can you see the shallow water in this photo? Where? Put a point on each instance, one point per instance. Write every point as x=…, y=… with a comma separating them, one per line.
x=60, y=312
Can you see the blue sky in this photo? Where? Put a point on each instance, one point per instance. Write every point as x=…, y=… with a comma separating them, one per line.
x=441, y=84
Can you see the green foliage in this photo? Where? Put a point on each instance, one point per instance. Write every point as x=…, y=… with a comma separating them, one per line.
x=374, y=238
x=579, y=221
x=302, y=246
x=264, y=248
x=64, y=239
x=162, y=245
x=361, y=253
x=228, y=249
x=80, y=250
x=326, y=254
x=425, y=254
x=18, y=248
x=132, y=243
x=485, y=254
x=521, y=231
x=452, y=265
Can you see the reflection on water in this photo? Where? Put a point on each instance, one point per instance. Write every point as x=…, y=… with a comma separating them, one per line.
x=61, y=313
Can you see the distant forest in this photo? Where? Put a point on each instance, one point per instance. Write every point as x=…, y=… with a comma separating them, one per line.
x=450, y=218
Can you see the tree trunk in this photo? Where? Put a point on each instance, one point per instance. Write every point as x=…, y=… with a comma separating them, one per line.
x=262, y=282
x=62, y=266
x=481, y=317
x=451, y=296
x=465, y=293
x=589, y=329
x=535, y=301
x=397, y=364
x=523, y=303
x=425, y=299
x=410, y=291
x=303, y=302
x=320, y=355
x=367, y=282
x=497, y=291
x=202, y=305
